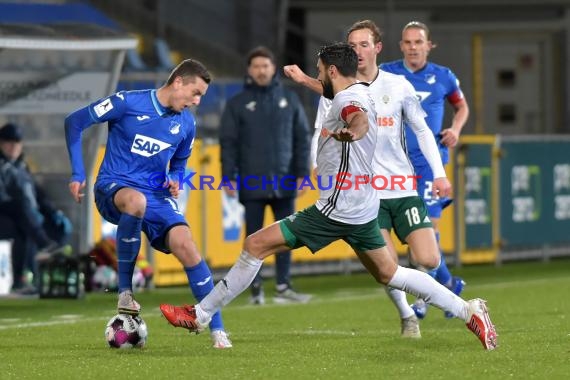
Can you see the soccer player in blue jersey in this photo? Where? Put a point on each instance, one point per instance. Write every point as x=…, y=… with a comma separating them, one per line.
x=434, y=84
x=149, y=132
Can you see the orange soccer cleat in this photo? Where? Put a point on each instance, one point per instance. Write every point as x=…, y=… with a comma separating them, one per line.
x=182, y=316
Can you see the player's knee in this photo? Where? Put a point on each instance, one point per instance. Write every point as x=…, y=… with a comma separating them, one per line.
x=254, y=245
x=427, y=263
x=133, y=203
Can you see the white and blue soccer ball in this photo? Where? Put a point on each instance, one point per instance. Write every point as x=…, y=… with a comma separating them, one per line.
x=126, y=331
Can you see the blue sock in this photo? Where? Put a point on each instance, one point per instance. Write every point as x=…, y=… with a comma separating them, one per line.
x=201, y=283
x=128, y=246
x=443, y=276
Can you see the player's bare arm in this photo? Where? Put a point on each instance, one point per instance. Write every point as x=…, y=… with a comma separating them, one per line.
x=298, y=76
x=450, y=136
x=357, y=127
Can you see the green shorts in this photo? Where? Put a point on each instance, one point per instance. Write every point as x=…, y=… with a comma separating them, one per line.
x=310, y=228
x=404, y=215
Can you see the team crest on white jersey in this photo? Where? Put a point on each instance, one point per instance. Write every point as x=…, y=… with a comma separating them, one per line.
x=103, y=107
x=174, y=127
x=283, y=103
x=386, y=99
x=147, y=146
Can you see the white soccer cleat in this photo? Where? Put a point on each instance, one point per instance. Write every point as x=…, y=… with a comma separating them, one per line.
x=411, y=327
x=480, y=323
x=127, y=304
x=220, y=339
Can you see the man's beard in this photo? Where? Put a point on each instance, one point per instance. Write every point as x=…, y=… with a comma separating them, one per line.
x=327, y=89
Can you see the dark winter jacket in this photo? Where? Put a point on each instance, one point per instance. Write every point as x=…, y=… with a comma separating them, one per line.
x=265, y=141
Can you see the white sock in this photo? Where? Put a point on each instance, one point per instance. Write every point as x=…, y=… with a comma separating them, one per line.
x=399, y=299
x=424, y=286
x=237, y=280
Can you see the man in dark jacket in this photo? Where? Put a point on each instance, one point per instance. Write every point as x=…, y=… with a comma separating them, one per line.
x=265, y=147
x=26, y=216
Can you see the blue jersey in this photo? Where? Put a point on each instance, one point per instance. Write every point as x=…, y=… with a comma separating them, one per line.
x=433, y=84
x=144, y=139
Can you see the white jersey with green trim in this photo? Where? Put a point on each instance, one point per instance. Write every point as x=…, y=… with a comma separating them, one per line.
x=345, y=168
x=396, y=103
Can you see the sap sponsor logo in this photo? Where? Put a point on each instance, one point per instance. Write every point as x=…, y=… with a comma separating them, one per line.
x=147, y=146
x=103, y=107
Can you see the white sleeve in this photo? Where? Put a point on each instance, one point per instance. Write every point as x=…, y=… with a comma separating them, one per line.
x=414, y=116
x=322, y=111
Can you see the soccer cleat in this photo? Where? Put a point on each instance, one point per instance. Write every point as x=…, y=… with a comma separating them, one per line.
x=420, y=308
x=290, y=296
x=411, y=327
x=457, y=285
x=127, y=304
x=182, y=316
x=220, y=339
x=480, y=323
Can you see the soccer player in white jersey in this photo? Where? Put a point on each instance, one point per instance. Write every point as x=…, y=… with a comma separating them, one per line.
x=401, y=207
x=434, y=86
x=151, y=134
x=346, y=151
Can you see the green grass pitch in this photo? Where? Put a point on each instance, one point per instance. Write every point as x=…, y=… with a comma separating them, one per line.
x=349, y=331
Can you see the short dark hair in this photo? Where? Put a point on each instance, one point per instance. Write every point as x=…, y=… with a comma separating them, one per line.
x=189, y=68
x=342, y=56
x=367, y=24
x=260, y=51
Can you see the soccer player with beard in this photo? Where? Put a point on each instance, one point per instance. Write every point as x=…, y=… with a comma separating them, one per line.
x=346, y=149
x=401, y=208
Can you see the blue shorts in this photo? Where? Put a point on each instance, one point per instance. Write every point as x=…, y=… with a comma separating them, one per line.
x=161, y=214
x=424, y=184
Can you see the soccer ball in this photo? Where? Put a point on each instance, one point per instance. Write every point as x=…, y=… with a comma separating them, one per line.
x=126, y=331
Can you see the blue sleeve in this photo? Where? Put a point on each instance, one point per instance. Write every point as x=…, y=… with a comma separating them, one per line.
x=75, y=124
x=105, y=109
x=451, y=83
x=183, y=151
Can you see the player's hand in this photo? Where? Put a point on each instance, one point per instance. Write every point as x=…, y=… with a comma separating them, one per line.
x=173, y=188
x=75, y=188
x=449, y=137
x=441, y=187
x=315, y=173
x=295, y=73
x=231, y=192
x=343, y=134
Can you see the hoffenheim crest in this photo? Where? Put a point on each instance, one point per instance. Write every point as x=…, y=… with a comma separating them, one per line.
x=174, y=127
